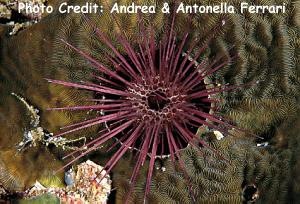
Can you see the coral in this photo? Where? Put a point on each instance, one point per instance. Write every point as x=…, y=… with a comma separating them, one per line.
x=217, y=181
x=48, y=179
x=248, y=116
x=65, y=63
x=152, y=95
x=8, y=182
x=23, y=62
x=266, y=44
x=271, y=55
x=273, y=170
x=22, y=71
x=33, y=59
x=212, y=179
x=290, y=129
x=20, y=171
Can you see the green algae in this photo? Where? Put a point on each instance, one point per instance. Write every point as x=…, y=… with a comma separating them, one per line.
x=45, y=199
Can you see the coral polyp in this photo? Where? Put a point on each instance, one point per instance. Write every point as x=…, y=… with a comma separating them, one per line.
x=154, y=96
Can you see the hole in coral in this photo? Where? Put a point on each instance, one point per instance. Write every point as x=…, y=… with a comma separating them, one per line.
x=250, y=193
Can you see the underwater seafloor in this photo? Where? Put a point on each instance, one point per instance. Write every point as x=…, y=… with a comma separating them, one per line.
x=259, y=165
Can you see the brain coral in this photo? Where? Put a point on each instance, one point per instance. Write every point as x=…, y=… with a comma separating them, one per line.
x=215, y=181
x=267, y=46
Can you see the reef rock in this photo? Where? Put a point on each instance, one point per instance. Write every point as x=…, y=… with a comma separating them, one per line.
x=88, y=186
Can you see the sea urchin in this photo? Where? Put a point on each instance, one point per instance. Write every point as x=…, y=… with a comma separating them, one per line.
x=154, y=98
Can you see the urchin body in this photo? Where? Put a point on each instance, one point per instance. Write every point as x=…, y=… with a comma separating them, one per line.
x=153, y=99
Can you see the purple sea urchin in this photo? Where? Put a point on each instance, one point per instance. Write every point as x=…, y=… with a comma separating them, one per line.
x=154, y=98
